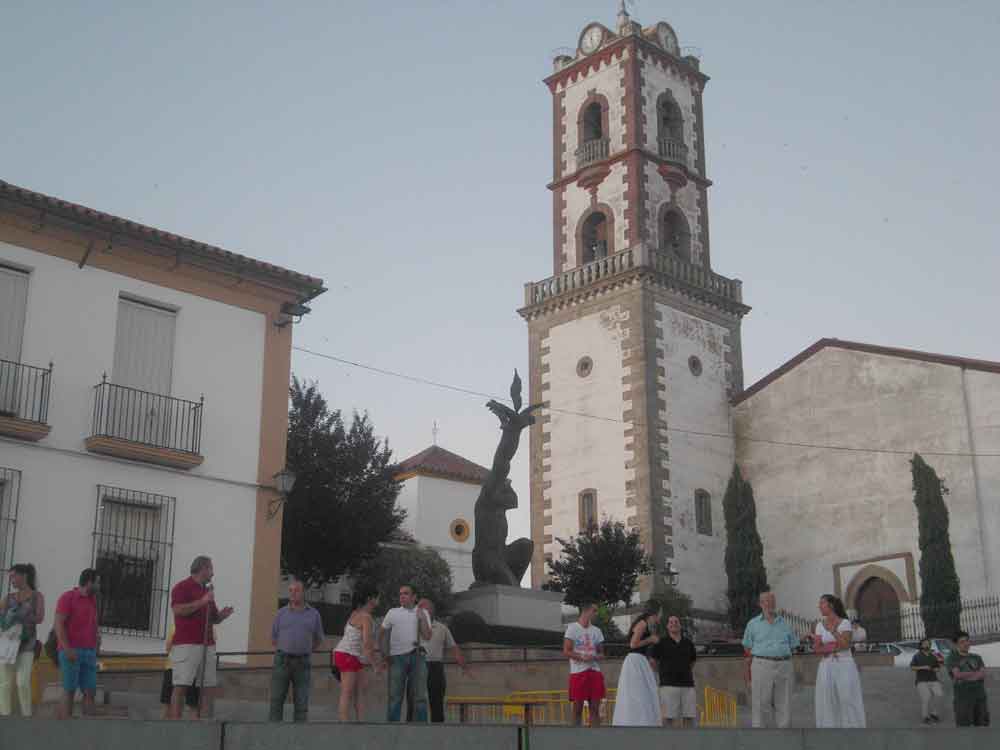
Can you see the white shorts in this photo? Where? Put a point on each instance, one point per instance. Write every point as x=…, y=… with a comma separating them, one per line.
x=678, y=702
x=185, y=661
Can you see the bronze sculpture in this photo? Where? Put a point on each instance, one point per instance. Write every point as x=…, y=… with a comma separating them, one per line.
x=493, y=560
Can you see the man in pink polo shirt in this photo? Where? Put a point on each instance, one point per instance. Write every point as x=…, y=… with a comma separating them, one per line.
x=79, y=640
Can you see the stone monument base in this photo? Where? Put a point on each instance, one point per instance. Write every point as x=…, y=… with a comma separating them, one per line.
x=512, y=606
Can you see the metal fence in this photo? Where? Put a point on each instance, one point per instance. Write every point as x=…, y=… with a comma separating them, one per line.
x=147, y=418
x=978, y=616
x=24, y=391
x=132, y=552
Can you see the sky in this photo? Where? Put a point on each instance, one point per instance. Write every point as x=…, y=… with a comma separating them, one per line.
x=400, y=151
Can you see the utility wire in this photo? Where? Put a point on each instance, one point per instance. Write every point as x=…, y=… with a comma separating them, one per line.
x=698, y=433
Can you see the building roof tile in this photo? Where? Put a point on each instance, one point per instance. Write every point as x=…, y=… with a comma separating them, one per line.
x=435, y=461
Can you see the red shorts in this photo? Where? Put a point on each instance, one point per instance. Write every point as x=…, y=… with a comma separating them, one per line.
x=586, y=686
x=347, y=662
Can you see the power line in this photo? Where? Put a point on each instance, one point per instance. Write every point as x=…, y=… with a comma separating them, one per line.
x=616, y=420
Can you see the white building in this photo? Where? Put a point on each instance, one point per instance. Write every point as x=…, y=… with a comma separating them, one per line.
x=439, y=496
x=143, y=412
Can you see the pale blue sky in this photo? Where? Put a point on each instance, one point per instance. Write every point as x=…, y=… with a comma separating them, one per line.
x=401, y=151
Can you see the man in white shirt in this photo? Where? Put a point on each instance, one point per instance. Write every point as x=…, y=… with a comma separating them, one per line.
x=583, y=646
x=404, y=627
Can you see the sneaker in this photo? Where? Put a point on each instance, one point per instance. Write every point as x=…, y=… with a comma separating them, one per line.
x=935, y=718
x=928, y=721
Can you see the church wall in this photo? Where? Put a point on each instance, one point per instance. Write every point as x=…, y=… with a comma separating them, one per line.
x=584, y=453
x=983, y=389
x=695, y=403
x=578, y=201
x=819, y=511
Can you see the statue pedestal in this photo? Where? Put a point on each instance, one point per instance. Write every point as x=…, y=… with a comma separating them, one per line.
x=512, y=606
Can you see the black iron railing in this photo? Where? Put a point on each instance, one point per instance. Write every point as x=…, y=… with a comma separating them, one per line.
x=147, y=418
x=24, y=391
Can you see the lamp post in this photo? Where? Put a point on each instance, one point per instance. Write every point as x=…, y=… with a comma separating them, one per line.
x=670, y=575
x=284, y=481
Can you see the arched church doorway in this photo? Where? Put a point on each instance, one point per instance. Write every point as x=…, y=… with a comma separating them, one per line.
x=877, y=604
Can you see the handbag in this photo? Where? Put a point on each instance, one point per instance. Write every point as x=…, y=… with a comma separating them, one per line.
x=10, y=643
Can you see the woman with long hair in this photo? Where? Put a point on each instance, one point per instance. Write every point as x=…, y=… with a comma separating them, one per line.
x=24, y=605
x=356, y=652
x=839, y=702
x=638, y=701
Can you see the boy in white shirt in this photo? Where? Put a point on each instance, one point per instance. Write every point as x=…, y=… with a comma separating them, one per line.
x=583, y=646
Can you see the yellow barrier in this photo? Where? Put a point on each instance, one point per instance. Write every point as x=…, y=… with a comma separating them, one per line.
x=44, y=672
x=718, y=710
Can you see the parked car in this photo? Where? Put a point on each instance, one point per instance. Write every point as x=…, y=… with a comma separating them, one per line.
x=723, y=648
x=903, y=652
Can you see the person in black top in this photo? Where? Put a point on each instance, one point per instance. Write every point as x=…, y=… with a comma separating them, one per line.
x=925, y=664
x=676, y=656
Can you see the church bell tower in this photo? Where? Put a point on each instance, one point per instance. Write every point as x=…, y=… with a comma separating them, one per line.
x=634, y=341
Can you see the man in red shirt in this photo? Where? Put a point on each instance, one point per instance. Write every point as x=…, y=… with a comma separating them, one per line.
x=79, y=640
x=192, y=656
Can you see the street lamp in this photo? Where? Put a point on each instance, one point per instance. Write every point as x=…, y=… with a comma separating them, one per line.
x=284, y=481
x=670, y=575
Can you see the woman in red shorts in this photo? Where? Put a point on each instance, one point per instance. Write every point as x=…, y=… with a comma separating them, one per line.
x=355, y=652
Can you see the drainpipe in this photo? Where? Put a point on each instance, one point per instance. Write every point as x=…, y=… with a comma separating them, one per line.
x=980, y=511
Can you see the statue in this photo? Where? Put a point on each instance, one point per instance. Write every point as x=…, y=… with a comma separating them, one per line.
x=493, y=560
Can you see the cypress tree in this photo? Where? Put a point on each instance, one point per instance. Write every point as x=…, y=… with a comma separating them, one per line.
x=744, y=551
x=940, y=594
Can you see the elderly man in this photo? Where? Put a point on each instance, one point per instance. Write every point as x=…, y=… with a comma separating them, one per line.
x=434, y=654
x=192, y=654
x=297, y=632
x=768, y=644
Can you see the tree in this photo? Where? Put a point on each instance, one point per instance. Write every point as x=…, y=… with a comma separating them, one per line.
x=940, y=593
x=399, y=563
x=601, y=564
x=343, y=503
x=745, y=571
x=671, y=601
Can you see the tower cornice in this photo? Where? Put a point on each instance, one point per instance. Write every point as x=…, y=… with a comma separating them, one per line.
x=614, y=51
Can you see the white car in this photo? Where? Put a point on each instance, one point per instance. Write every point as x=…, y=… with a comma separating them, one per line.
x=903, y=653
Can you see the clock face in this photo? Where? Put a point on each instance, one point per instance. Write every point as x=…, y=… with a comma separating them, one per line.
x=592, y=39
x=668, y=40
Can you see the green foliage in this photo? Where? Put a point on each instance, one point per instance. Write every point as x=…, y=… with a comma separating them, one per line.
x=602, y=565
x=745, y=571
x=608, y=627
x=940, y=595
x=343, y=504
x=401, y=563
x=672, y=601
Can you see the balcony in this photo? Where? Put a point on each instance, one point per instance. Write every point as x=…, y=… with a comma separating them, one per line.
x=24, y=400
x=666, y=269
x=590, y=152
x=141, y=426
x=674, y=150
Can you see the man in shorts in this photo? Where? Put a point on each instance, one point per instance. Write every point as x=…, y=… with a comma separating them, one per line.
x=675, y=656
x=79, y=640
x=193, y=651
x=583, y=646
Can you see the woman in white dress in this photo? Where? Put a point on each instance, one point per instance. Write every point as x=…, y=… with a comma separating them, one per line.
x=637, y=703
x=839, y=702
